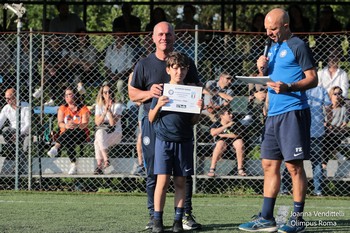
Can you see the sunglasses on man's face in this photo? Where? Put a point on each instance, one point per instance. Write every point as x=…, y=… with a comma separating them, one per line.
x=337, y=93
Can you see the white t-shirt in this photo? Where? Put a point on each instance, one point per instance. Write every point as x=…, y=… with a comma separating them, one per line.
x=116, y=109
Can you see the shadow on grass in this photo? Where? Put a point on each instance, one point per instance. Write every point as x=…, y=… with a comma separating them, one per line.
x=206, y=228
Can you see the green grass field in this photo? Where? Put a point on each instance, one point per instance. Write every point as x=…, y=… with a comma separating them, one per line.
x=110, y=212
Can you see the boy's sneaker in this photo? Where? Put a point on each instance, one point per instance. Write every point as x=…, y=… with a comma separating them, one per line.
x=157, y=226
x=52, y=152
x=177, y=226
x=258, y=223
x=293, y=225
x=150, y=223
x=72, y=169
x=189, y=222
x=37, y=92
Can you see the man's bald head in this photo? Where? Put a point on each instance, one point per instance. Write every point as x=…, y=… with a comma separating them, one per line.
x=164, y=38
x=278, y=15
x=277, y=25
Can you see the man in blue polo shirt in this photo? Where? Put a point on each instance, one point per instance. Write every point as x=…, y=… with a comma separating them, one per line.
x=292, y=70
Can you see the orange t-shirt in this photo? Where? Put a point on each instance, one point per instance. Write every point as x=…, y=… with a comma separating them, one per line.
x=69, y=115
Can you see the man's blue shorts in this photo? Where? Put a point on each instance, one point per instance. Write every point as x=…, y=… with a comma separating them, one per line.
x=287, y=136
x=148, y=140
x=173, y=158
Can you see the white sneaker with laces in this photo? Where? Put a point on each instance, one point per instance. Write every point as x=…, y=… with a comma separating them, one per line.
x=81, y=89
x=72, y=169
x=52, y=152
x=49, y=103
x=37, y=92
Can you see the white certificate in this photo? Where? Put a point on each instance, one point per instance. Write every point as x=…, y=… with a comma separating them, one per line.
x=182, y=98
x=256, y=80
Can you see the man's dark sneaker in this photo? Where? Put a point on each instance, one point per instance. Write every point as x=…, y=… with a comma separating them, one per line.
x=259, y=224
x=157, y=226
x=177, y=226
x=293, y=225
x=189, y=222
x=98, y=171
x=150, y=223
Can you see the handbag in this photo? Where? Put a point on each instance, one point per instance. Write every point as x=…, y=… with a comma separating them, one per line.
x=106, y=127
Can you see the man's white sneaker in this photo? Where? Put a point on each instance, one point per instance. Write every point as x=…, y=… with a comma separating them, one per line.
x=50, y=103
x=72, y=169
x=53, y=152
x=37, y=92
x=81, y=89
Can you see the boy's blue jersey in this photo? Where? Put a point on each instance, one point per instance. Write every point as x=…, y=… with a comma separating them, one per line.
x=173, y=126
x=287, y=61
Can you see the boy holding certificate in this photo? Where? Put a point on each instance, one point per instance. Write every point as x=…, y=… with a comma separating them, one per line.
x=173, y=146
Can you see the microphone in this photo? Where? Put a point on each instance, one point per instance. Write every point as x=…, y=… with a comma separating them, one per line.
x=266, y=51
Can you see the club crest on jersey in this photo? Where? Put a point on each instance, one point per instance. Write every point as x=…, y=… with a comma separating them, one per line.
x=146, y=140
x=283, y=53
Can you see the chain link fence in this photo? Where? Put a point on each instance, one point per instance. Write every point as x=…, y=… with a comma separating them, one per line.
x=50, y=63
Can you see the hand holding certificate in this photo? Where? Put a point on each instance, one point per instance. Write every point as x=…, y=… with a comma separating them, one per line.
x=182, y=98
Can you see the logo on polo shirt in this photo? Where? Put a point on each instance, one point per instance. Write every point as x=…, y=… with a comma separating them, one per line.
x=283, y=53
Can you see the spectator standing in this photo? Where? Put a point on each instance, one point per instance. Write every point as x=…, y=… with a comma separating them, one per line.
x=57, y=72
x=327, y=23
x=173, y=146
x=83, y=61
x=298, y=23
x=188, y=21
x=119, y=61
x=319, y=101
x=227, y=132
x=332, y=75
x=127, y=22
x=8, y=112
x=257, y=25
x=108, y=133
x=158, y=15
x=292, y=69
x=65, y=21
x=73, y=118
x=149, y=74
x=336, y=122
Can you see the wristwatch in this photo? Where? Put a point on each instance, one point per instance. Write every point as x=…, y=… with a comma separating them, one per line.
x=289, y=89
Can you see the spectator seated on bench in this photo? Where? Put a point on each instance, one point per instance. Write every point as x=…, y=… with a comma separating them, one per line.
x=227, y=132
x=73, y=118
x=8, y=112
x=108, y=115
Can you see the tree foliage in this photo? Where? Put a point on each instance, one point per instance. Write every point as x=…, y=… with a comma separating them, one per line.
x=100, y=17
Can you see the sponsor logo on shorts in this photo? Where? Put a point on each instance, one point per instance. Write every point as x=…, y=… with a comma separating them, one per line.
x=298, y=151
x=187, y=170
x=146, y=140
